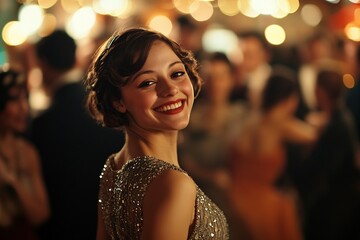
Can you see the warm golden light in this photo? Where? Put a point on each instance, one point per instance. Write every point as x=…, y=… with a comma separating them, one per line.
x=267, y=7
x=183, y=5
x=284, y=5
x=114, y=8
x=70, y=5
x=14, y=33
x=311, y=14
x=161, y=24
x=229, y=7
x=279, y=14
x=220, y=40
x=46, y=3
x=293, y=5
x=77, y=27
x=352, y=31
x=246, y=9
x=201, y=11
x=349, y=81
x=275, y=34
x=31, y=16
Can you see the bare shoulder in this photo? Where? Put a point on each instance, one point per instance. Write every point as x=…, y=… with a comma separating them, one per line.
x=172, y=183
x=169, y=201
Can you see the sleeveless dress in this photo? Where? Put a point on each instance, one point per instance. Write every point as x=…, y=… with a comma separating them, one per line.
x=268, y=213
x=122, y=193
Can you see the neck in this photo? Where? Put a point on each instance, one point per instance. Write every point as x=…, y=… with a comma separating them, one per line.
x=53, y=80
x=162, y=145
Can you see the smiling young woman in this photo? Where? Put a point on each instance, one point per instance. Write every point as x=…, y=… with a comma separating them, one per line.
x=145, y=83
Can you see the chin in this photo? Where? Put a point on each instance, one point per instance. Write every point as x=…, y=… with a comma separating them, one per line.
x=183, y=126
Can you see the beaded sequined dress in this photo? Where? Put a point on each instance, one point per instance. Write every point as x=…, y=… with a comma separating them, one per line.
x=121, y=200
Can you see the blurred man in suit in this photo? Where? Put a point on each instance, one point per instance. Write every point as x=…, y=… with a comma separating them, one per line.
x=73, y=148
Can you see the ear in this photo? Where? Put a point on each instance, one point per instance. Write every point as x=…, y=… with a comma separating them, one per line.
x=119, y=106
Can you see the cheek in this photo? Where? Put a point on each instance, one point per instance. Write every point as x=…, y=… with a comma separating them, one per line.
x=138, y=104
x=188, y=89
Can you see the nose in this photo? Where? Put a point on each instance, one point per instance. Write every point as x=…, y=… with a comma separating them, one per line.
x=167, y=87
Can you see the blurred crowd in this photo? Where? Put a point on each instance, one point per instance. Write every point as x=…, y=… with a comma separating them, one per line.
x=273, y=140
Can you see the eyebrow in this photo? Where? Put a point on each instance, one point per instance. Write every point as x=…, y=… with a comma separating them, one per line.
x=151, y=71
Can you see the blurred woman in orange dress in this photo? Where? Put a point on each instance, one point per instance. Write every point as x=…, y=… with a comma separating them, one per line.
x=259, y=158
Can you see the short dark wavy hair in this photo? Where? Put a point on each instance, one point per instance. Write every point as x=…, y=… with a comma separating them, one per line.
x=281, y=84
x=116, y=61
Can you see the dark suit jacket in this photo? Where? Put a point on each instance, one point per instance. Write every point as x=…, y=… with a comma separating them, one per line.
x=73, y=150
x=329, y=183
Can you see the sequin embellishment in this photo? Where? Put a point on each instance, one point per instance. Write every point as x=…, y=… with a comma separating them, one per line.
x=122, y=193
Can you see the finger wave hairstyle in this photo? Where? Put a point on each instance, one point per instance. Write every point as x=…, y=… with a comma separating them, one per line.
x=116, y=61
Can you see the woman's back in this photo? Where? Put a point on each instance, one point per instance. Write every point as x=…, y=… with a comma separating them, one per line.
x=259, y=155
x=258, y=160
x=122, y=196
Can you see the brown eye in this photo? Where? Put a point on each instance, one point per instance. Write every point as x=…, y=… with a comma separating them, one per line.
x=146, y=84
x=177, y=74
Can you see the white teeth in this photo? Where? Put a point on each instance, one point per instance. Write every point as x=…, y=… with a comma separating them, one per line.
x=170, y=107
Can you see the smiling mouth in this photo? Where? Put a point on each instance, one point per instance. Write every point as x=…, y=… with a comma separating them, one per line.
x=171, y=107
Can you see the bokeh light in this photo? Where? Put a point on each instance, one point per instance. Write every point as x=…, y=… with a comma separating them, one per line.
x=311, y=14
x=77, y=27
x=352, y=31
x=14, y=33
x=293, y=5
x=70, y=6
x=275, y=34
x=221, y=40
x=333, y=1
x=267, y=7
x=110, y=7
x=201, y=11
x=161, y=24
x=228, y=7
x=280, y=13
x=45, y=4
x=183, y=5
x=246, y=9
x=349, y=81
x=31, y=16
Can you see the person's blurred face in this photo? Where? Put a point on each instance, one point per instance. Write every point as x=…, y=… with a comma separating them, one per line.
x=160, y=96
x=254, y=54
x=14, y=116
x=219, y=80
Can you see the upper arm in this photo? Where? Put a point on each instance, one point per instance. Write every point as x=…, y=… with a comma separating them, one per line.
x=300, y=132
x=169, y=206
x=101, y=233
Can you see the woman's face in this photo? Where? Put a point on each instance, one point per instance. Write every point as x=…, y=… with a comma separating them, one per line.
x=14, y=115
x=160, y=96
